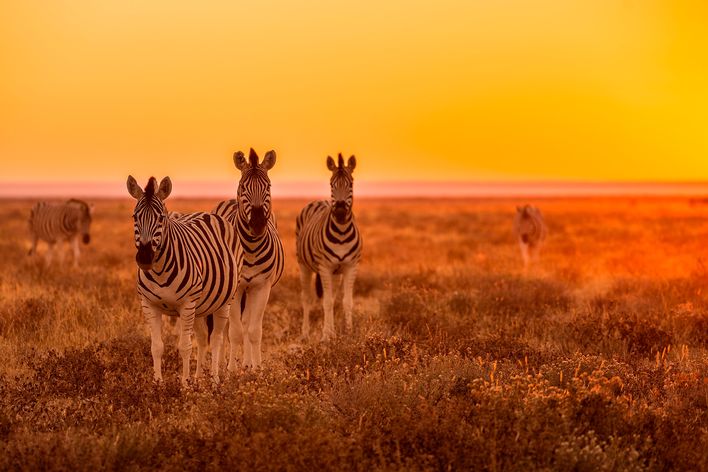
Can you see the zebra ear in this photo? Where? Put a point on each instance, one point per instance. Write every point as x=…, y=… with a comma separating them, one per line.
x=165, y=188
x=133, y=188
x=239, y=160
x=330, y=164
x=351, y=163
x=269, y=160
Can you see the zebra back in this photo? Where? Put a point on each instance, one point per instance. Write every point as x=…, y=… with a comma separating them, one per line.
x=53, y=222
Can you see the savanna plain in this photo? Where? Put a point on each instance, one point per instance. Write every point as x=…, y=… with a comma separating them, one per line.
x=595, y=359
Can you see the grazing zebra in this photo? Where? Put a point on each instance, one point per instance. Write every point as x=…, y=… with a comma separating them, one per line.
x=250, y=213
x=188, y=267
x=328, y=243
x=531, y=232
x=59, y=222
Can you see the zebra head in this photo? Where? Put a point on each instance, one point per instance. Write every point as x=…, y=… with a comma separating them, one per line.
x=526, y=222
x=82, y=214
x=342, y=186
x=149, y=216
x=254, y=190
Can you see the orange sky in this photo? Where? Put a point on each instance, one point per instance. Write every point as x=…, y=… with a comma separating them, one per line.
x=443, y=90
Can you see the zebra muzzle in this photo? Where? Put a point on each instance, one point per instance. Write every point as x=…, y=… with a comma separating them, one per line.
x=258, y=221
x=340, y=212
x=144, y=257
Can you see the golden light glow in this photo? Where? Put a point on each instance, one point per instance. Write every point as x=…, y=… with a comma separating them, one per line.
x=446, y=90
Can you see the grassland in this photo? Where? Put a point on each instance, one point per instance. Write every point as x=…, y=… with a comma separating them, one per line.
x=595, y=360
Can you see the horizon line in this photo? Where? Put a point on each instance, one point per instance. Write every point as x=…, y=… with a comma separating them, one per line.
x=371, y=188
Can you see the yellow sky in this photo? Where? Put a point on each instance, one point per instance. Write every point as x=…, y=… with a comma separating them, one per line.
x=469, y=89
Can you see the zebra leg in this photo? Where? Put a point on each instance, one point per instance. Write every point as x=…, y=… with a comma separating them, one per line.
x=524, y=254
x=61, y=251
x=33, y=247
x=348, y=299
x=49, y=255
x=245, y=321
x=221, y=317
x=306, y=298
x=327, y=305
x=536, y=253
x=154, y=319
x=235, y=329
x=75, y=249
x=255, y=306
x=202, y=335
x=186, y=316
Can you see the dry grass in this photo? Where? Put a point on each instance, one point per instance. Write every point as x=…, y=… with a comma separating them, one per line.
x=594, y=361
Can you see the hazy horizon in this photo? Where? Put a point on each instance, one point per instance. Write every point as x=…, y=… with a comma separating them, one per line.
x=368, y=189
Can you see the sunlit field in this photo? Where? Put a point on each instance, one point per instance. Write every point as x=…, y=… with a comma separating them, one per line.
x=593, y=360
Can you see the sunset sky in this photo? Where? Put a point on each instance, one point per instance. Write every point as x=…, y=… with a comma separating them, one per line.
x=418, y=90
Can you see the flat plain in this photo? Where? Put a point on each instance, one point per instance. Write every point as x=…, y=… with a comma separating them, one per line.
x=593, y=360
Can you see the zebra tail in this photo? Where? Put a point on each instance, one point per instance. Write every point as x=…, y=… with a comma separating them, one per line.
x=318, y=286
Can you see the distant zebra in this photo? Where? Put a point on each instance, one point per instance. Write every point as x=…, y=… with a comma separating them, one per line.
x=531, y=231
x=329, y=243
x=188, y=267
x=58, y=222
x=251, y=215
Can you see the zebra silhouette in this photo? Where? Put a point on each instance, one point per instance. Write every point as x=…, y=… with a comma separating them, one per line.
x=59, y=222
x=251, y=214
x=531, y=231
x=328, y=243
x=188, y=267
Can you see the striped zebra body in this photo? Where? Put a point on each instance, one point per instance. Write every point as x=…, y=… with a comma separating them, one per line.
x=188, y=267
x=60, y=222
x=531, y=231
x=263, y=256
x=250, y=214
x=328, y=243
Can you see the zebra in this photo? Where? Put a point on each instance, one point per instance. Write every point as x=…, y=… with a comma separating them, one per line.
x=58, y=222
x=328, y=243
x=251, y=215
x=188, y=266
x=531, y=232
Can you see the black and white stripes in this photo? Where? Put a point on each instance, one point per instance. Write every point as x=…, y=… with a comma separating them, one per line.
x=255, y=225
x=328, y=243
x=188, y=267
x=58, y=222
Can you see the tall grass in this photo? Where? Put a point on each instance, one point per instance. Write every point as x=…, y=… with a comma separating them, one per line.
x=596, y=360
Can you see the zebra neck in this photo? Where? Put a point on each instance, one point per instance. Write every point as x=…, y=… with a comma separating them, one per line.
x=244, y=232
x=341, y=228
x=165, y=252
x=69, y=221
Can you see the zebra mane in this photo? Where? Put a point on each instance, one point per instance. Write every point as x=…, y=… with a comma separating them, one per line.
x=151, y=187
x=85, y=209
x=253, y=158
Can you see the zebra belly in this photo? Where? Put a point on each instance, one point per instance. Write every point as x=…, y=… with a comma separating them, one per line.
x=252, y=276
x=164, y=298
